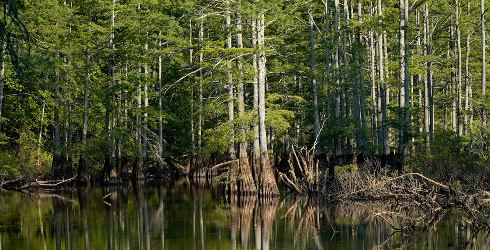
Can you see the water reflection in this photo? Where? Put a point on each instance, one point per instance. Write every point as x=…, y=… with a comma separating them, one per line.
x=187, y=216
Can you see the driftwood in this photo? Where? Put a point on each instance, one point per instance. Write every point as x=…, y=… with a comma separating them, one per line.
x=419, y=200
x=31, y=185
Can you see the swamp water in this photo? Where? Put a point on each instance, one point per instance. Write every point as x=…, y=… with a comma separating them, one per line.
x=181, y=217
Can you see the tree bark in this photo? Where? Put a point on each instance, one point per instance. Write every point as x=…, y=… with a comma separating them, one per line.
x=361, y=96
x=405, y=77
x=268, y=185
x=246, y=184
x=201, y=76
x=82, y=164
x=484, y=61
x=338, y=140
x=316, y=116
x=160, y=106
x=459, y=77
x=57, y=157
x=256, y=143
x=110, y=175
x=234, y=171
x=327, y=59
x=372, y=74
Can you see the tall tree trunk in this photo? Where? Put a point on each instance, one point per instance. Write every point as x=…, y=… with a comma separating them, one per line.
x=345, y=98
x=454, y=124
x=372, y=74
x=383, y=91
x=82, y=164
x=110, y=176
x=428, y=88
x=362, y=98
x=145, y=103
x=246, y=184
x=2, y=74
x=3, y=44
x=57, y=157
x=268, y=185
x=316, y=116
x=201, y=76
x=327, y=59
x=459, y=76
x=467, y=82
x=405, y=77
x=256, y=143
x=138, y=168
x=193, y=136
x=484, y=61
x=160, y=106
x=231, y=107
x=338, y=140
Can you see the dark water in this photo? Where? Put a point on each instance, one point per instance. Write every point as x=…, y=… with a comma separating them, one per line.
x=182, y=217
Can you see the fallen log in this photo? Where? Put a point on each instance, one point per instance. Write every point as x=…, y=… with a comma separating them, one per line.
x=36, y=184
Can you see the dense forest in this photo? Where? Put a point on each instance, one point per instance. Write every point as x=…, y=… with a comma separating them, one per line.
x=253, y=93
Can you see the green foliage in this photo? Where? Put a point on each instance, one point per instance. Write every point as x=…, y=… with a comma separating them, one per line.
x=451, y=161
x=28, y=160
x=346, y=168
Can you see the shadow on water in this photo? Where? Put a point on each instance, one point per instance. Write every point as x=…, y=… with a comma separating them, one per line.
x=192, y=216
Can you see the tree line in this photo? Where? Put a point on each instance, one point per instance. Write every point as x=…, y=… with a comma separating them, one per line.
x=143, y=87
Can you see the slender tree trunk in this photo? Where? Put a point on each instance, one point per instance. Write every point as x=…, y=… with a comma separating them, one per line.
x=110, y=176
x=327, y=58
x=145, y=103
x=460, y=71
x=268, y=183
x=246, y=184
x=193, y=136
x=429, y=108
x=82, y=165
x=316, y=116
x=372, y=74
x=256, y=143
x=362, y=96
x=3, y=44
x=2, y=75
x=405, y=77
x=201, y=76
x=484, y=61
x=338, y=140
x=160, y=106
x=57, y=158
x=452, y=88
x=346, y=141
x=467, y=87
x=40, y=136
x=383, y=98
x=234, y=171
x=138, y=168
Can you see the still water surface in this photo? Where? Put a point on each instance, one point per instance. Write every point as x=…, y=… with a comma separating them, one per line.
x=181, y=217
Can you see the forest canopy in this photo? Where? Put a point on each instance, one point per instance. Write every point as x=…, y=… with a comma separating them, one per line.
x=107, y=89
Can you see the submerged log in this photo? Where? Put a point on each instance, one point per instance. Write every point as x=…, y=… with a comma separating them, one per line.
x=32, y=185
